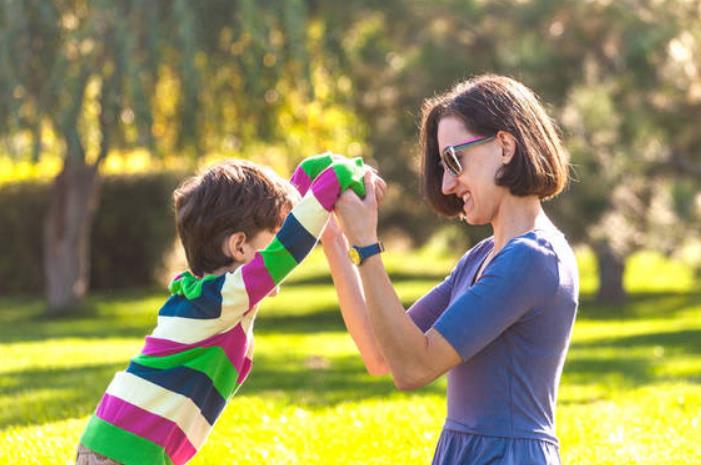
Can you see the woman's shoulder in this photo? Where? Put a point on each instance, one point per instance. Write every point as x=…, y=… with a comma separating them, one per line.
x=476, y=252
x=538, y=250
x=541, y=243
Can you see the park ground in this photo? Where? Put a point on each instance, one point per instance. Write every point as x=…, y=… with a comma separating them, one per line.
x=630, y=392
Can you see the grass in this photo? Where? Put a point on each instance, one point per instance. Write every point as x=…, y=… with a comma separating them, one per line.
x=630, y=392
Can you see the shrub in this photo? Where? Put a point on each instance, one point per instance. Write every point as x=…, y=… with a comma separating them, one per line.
x=132, y=231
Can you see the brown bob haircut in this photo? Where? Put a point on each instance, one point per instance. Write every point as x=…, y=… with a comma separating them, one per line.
x=487, y=104
x=229, y=197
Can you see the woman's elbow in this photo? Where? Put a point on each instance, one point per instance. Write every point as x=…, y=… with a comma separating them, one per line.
x=406, y=385
x=376, y=367
x=407, y=382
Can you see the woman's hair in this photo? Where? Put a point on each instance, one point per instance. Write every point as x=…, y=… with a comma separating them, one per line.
x=229, y=197
x=487, y=104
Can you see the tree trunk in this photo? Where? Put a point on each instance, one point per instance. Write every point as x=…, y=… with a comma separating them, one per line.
x=611, y=268
x=67, y=236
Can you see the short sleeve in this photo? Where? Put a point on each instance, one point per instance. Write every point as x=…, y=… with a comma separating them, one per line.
x=521, y=277
x=428, y=308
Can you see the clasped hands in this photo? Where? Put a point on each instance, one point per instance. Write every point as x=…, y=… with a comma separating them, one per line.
x=357, y=218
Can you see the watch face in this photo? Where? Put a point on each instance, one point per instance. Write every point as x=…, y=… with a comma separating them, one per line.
x=354, y=256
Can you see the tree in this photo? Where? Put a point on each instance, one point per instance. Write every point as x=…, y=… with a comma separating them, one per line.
x=622, y=78
x=171, y=76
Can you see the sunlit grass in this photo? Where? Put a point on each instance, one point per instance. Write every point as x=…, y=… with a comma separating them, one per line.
x=630, y=391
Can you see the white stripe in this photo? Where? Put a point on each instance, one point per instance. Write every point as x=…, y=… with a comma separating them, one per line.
x=234, y=297
x=247, y=326
x=188, y=330
x=311, y=214
x=162, y=402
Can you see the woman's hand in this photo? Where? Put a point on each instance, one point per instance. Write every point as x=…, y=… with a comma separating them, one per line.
x=333, y=230
x=358, y=217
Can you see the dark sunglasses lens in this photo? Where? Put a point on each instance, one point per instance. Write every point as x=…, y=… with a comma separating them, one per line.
x=450, y=160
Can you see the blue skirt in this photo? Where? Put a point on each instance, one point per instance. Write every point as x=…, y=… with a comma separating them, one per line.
x=458, y=448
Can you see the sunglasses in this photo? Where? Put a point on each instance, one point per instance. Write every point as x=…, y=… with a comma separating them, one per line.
x=449, y=156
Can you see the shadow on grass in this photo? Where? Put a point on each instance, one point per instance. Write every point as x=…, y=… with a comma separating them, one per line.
x=45, y=395
x=642, y=304
x=84, y=328
x=631, y=361
x=101, y=325
x=686, y=341
x=619, y=371
x=340, y=379
x=395, y=276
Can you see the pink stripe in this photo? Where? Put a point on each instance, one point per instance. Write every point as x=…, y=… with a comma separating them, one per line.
x=326, y=189
x=234, y=343
x=244, y=370
x=157, y=429
x=301, y=180
x=257, y=280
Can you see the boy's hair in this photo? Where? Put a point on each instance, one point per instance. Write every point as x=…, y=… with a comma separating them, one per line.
x=487, y=104
x=229, y=197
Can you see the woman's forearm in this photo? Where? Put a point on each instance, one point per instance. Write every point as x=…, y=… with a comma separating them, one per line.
x=352, y=303
x=405, y=347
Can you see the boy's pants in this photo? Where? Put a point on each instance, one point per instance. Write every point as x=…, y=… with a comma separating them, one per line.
x=87, y=457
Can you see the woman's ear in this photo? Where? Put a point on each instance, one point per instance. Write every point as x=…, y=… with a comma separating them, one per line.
x=236, y=246
x=508, y=146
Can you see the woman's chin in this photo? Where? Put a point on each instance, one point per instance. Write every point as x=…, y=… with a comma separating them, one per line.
x=472, y=219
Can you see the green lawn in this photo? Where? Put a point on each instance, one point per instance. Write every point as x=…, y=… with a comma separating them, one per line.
x=630, y=392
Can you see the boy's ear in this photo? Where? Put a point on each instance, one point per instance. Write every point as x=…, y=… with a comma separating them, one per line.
x=237, y=247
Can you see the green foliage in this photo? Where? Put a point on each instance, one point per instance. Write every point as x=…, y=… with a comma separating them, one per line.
x=630, y=389
x=22, y=205
x=134, y=229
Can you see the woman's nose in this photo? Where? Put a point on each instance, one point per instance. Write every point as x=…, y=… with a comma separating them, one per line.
x=448, y=183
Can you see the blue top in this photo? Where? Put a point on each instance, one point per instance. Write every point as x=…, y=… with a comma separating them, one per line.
x=512, y=329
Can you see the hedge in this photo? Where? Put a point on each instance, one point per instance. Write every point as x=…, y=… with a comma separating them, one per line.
x=132, y=232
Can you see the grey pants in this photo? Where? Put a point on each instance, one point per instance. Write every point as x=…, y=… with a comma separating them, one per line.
x=87, y=457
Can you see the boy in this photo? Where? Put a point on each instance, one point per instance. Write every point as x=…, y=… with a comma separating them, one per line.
x=161, y=409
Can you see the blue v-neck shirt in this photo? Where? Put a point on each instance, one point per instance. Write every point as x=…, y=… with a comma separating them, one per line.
x=512, y=328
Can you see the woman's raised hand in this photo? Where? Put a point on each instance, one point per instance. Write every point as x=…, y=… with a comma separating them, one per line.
x=358, y=217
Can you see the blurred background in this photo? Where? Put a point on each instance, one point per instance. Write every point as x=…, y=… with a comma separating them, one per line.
x=105, y=106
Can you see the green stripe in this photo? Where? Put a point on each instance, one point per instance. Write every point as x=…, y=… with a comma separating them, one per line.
x=122, y=446
x=212, y=361
x=188, y=285
x=313, y=166
x=350, y=175
x=278, y=260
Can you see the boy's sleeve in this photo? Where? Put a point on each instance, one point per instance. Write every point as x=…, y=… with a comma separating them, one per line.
x=320, y=180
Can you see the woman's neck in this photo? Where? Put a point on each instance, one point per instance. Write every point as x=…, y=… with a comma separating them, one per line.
x=516, y=216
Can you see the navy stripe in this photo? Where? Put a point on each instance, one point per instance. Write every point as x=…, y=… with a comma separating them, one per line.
x=296, y=239
x=193, y=384
x=206, y=306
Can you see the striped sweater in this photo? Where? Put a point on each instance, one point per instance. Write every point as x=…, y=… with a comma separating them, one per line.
x=161, y=409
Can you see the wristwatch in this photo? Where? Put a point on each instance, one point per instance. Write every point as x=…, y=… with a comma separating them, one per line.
x=359, y=254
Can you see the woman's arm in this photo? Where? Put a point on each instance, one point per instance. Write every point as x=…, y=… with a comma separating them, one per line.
x=414, y=359
x=351, y=300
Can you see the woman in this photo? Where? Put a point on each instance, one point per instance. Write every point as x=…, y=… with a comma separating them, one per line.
x=500, y=323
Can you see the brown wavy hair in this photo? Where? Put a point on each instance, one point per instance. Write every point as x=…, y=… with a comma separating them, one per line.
x=487, y=104
x=229, y=197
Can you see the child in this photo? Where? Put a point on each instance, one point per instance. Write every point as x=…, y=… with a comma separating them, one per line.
x=161, y=409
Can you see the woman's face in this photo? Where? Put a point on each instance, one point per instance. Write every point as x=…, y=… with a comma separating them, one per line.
x=476, y=185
